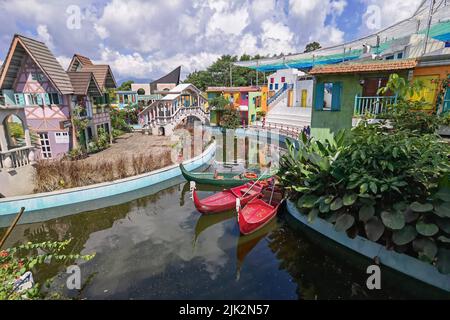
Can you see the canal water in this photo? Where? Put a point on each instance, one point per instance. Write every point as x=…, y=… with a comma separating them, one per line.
x=159, y=247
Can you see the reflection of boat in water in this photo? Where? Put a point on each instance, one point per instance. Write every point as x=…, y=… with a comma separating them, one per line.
x=246, y=244
x=206, y=221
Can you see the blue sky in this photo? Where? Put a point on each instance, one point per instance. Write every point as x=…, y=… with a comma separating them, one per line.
x=144, y=39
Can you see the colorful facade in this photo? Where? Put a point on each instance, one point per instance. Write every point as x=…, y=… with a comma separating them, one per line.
x=247, y=100
x=346, y=90
x=33, y=82
x=91, y=83
x=145, y=94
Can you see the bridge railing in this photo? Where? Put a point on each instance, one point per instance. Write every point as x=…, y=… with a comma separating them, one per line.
x=180, y=112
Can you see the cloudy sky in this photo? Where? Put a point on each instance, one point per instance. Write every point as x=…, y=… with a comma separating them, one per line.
x=144, y=39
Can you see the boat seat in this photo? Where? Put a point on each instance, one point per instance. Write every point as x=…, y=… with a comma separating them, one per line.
x=276, y=198
x=248, y=191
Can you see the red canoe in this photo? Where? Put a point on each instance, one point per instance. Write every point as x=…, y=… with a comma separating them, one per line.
x=259, y=212
x=226, y=199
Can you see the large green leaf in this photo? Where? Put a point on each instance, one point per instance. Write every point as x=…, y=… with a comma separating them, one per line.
x=444, y=239
x=344, y=222
x=324, y=207
x=374, y=229
x=393, y=220
x=443, y=194
x=307, y=201
x=366, y=212
x=421, y=207
x=425, y=247
x=350, y=199
x=336, y=204
x=426, y=229
x=443, y=261
x=363, y=188
x=404, y=236
x=442, y=210
x=411, y=216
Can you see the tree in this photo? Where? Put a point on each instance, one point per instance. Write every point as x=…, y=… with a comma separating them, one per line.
x=313, y=46
x=218, y=74
x=125, y=86
x=219, y=103
x=230, y=118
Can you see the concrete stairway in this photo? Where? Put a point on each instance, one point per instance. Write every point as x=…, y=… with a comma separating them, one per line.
x=282, y=115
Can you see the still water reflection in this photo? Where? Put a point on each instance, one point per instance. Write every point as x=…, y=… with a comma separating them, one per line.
x=159, y=247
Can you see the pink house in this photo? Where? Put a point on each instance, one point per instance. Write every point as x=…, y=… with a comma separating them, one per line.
x=33, y=81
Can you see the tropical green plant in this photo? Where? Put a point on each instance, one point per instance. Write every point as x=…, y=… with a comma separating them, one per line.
x=401, y=87
x=230, y=118
x=218, y=103
x=119, y=118
x=14, y=262
x=79, y=121
x=260, y=114
x=375, y=183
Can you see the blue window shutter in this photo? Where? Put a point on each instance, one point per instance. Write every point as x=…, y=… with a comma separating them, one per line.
x=47, y=99
x=336, y=98
x=39, y=99
x=318, y=101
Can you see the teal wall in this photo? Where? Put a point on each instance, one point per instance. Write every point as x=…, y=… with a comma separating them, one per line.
x=326, y=123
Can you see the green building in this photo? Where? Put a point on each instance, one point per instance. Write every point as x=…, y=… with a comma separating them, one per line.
x=345, y=91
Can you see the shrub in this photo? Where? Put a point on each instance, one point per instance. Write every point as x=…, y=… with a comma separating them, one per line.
x=391, y=187
x=14, y=262
x=230, y=118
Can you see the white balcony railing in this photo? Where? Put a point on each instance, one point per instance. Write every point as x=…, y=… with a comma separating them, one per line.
x=372, y=105
x=16, y=158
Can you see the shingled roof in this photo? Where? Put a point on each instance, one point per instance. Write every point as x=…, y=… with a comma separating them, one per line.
x=84, y=83
x=77, y=61
x=371, y=66
x=103, y=75
x=42, y=56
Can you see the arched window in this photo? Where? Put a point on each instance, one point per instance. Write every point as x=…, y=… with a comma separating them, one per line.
x=141, y=92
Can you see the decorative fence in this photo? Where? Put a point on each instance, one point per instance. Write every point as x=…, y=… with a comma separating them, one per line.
x=15, y=158
x=373, y=105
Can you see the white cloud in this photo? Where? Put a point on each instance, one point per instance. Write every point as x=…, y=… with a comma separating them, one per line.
x=144, y=39
x=44, y=36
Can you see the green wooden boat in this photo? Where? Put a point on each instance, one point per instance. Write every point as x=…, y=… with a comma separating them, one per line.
x=225, y=179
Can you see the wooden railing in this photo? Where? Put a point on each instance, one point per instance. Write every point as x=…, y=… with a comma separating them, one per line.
x=372, y=105
x=15, y=158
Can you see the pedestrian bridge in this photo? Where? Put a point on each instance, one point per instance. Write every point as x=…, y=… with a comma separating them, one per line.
x=163, y=122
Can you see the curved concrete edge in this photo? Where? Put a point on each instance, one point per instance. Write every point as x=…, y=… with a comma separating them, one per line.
x=42, y=201
x=403, y=263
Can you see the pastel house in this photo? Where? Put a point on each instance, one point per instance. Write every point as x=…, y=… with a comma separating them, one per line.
x=238, y=98
x=91, y=83
x=37, y=91
x=347, y=90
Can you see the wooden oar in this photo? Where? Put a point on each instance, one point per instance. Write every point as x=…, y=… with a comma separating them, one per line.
x=11, y=227
x=263, y=174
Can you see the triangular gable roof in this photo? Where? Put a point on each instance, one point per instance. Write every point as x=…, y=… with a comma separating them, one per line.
x=84, y=83
x=103, y=75
x=78, y=60
x=42, y=56
x=171, y=77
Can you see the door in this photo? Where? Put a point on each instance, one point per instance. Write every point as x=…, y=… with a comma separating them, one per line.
x=371, y=86
x=46, y=151
x=304, y=98
x=428, y=93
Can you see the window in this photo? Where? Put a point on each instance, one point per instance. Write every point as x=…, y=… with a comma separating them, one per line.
x=33, y=99
x=328, y=96
x=46, y=151
x=391, y=57
x=271, y=87
x=400, y=55
x=283, y=79
x=272, y=80
x=36, y=76
x=53, y=98
x=61, y=137
x=276, y=86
